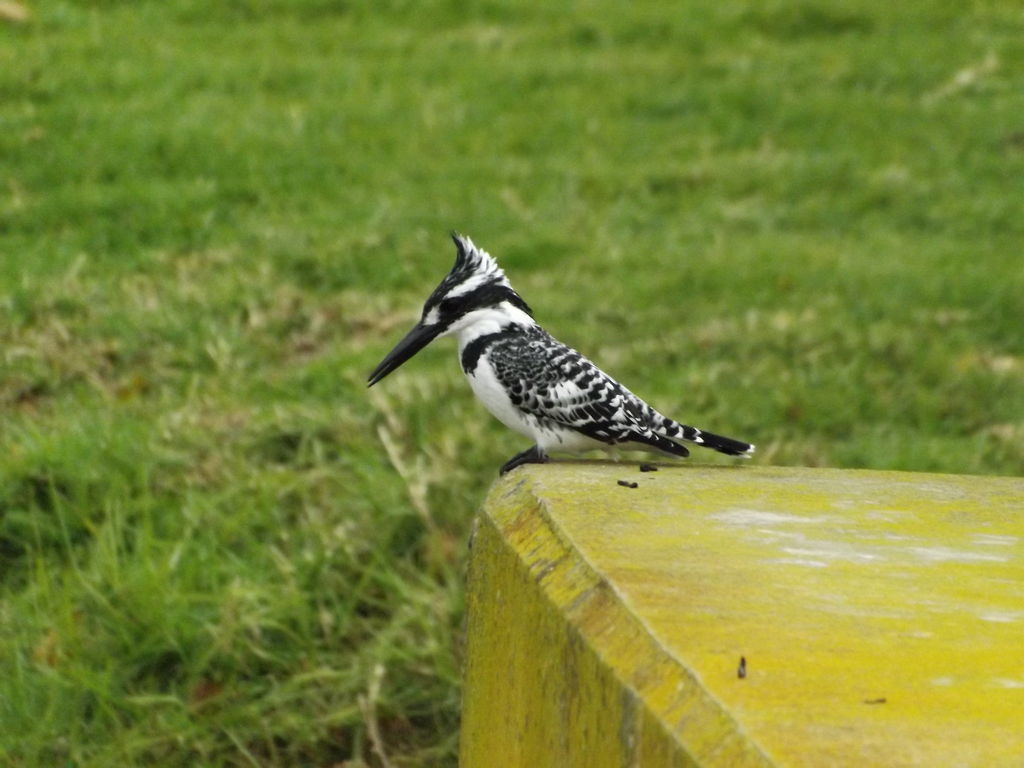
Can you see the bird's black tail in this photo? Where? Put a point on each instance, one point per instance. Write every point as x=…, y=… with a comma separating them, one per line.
x=726, y=445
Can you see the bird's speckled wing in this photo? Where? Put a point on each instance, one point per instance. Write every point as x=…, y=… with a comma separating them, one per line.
x=555, y=383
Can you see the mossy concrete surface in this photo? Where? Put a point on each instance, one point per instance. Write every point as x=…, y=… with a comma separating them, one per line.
x=880, y=616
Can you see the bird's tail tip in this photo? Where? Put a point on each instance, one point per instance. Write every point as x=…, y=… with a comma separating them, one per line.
x=727, y=445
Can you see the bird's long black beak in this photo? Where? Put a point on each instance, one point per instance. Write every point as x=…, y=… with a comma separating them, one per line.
x=414, y=341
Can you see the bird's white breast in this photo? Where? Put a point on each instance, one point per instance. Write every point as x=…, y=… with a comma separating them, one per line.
x=492, y=394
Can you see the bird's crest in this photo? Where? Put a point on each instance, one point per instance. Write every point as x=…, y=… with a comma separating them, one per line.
x=471, y=262
x=474, y=269
x=475, y=281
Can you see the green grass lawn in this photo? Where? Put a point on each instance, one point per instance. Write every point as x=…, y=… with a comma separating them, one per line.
x=788, y=222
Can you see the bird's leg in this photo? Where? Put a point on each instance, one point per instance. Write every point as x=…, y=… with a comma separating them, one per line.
x=532, y=455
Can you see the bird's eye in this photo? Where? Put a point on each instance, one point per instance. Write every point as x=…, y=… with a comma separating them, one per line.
x=452, y=306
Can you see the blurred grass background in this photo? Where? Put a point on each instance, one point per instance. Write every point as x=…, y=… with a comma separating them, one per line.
x=793, y=222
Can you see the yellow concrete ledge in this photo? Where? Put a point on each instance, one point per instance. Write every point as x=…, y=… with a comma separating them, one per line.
x=880, y=614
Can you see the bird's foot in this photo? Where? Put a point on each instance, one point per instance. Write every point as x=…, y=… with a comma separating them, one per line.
x=532, y=455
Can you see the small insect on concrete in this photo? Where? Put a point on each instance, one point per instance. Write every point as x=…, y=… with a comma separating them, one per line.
x=628, y=484
x=741, y=670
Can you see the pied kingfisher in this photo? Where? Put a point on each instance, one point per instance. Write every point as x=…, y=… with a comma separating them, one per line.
x=532, y=383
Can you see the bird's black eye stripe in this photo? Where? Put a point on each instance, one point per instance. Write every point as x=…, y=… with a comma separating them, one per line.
x=491, y=294
x=455, y=306
x=487, y=295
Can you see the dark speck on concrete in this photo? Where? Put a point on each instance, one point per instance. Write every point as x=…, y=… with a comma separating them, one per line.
x=648, y=468
x=627, y=484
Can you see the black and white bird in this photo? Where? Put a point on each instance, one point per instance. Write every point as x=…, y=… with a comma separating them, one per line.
x=531, y=382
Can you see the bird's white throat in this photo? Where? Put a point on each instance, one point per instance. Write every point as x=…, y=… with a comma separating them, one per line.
x=486, y=320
